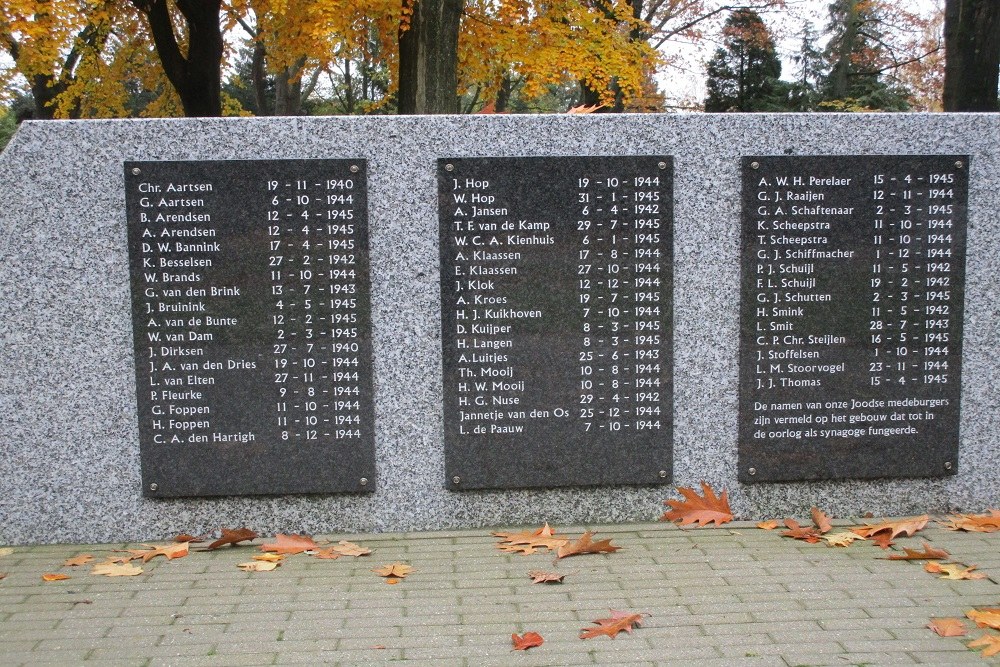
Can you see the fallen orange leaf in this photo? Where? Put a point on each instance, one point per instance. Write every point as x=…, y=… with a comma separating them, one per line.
x=768, y=525
x=948, y=627
x=702, y=510
x=985, y=618
x=233, y=536
x=844, y=539
x=326, y=554
x=345, y=548
x=529, y=541
x=542, y=577
x=928, y=553
x=797, y=532
x=893, y=529
x=974, y=523
x=585, y=545
x=258, y=566
x=75, y=561
x=821, y=520
x=54, y=576
x=290, y=544
x=269, y=557
x=169, y=551
x=111, y=569
x=184, y=537
x=398, y=570
x=990, y=642
x=955, y=571
x=620, y=621
x=529, y=640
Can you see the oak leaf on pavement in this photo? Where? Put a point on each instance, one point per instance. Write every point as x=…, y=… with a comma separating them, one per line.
x=233, y=536
x=528, y=640
x=530, y=541
x=290, y=544
x=988, y=617
x=702, y=510
x=990, y=644
x=948, y=627
x=954, y=571
x=974, y=523
x=928, y=553
x=184, y=537
x=585, y=545
x=345, y=548
x=620, y=621
x=394, y=570
x=844, y=539
x=54, y=576
x=543, y=577
x=111, y=569
x=893, y=529
x=821, y=520
x=169, y=551
x=76, y=561
x=795, y=531
x=770, y=524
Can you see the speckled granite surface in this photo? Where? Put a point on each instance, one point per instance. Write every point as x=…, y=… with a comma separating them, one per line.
x=69, y=453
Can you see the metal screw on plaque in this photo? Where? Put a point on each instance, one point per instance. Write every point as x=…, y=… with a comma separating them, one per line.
x=154, y=486
x=364, y=481
x=662, y=165
x=663, y=473
x=947, y=465
x=456, y=480
x=959, y=164
x=450, y=167
x=354, y=168
x=752, y=471
x=136, y=171
x=755, y=165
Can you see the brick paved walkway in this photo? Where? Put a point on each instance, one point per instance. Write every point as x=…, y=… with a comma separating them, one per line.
x=717, y=596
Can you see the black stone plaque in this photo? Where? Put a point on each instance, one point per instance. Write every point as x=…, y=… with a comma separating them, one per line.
x=851, y=316
x=251, y=323
x=556, y=285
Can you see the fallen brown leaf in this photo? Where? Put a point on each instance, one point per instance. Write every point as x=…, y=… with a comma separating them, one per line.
x=396, y=570
x=985, y=618
x=75, y=561
x=928, y=553
x=990, y=642
x=768, y=525
x=111, y=569
x=893, y=529
x=233, y=536
x=258, y=566
x=184, y=537
x=882, y=540
x=844, y=539
x=345, y=548
x=325, y=554
x=3, y=575
x=169, y=551
x=948, y=627
x=974, y=523
x=797, y=532
x=585, y=545
x=620, y=621
x=54, y=576
x=954, y=571
x=702, y=510
x=529, y=640
x=529, y=541
x=821, y=520
x=543, y=577
x=290, y=544
x=269, y=557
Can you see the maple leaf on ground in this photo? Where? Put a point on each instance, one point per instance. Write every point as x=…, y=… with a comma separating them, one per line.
x=543, y=577
x=75, y=561
x=768, y=525
x=821, y=520
x=702, y=510
x=620, y=621
x=585, y=545
x=954, y=571
x=928, y=553
x=985, y=618
x=795, y=531
x=169, y=551
x=345, y=548
x=990, y=642
x=529, y=541
x=54, y=576
x=111, y=569
x=948, y=627
x=893, y=529
x=974, y=523
x=233, y=536
x=290, y=544
x=529, y=640
x=325, y=554
x=395, y=570
x=258, y=565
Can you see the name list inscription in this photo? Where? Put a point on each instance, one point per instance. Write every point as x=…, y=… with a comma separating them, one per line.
x=851, y=317
x=251, y=326
x=556, y=283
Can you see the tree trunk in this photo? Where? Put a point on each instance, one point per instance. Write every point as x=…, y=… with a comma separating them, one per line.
x=972, y=55
x=197, y=78
x=259, y=73
x=428, y=58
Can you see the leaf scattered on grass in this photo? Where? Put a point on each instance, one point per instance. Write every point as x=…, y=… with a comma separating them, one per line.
x=543, y=577
x=76, y=561
x=528, y=640
x=948, y=627
x=955, y=571
x=585, y=545
x=702, y=510
x=620, y=621
x=233, y=536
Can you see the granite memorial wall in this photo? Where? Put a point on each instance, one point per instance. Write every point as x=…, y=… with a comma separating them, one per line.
x=372, y=324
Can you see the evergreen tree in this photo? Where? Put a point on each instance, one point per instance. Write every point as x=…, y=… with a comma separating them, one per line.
x=804, y=92
x=855, y=81
x=744, y=74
